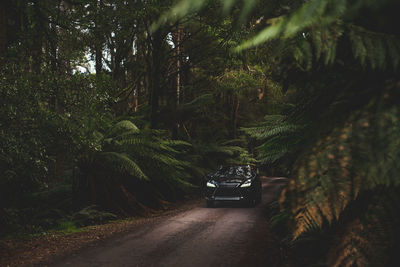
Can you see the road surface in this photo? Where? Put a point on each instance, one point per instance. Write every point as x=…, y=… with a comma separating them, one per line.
x=227, y=235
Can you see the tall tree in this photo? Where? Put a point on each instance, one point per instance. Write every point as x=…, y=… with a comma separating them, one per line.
x=3, y=27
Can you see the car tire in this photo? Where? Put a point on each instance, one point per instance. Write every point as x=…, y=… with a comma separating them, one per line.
x=252, y=203
x=209, y=203
x=259, y=199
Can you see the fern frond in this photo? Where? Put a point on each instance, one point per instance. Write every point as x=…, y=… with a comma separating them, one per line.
x=123, y=127
x=137, y=142
x=374, y=48
x=281, y=129
x=303, y=55
x=98, y=136
x=122, y=163
x=310, y=13
x=232, y=142
x=170, y=161
x=324, y=20
x=362, y=155
x=271, y=126
x=178, y=144
x=280, y=136
x=275, y=118
x=269, y=156
x=368, y=239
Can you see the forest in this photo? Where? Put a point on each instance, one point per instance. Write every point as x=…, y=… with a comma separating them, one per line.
x=115, y=108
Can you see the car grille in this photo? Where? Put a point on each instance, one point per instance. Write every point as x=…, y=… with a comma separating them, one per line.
x=228, y=185
x=227, y=192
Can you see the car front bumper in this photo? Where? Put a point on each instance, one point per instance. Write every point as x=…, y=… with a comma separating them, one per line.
x=229, y=193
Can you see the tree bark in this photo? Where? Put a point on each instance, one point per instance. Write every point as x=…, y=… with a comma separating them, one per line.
x=98, y=41
x=156, y=76
x=3, y=28
x=99, y=57
x=235, y=110
x=177, y=36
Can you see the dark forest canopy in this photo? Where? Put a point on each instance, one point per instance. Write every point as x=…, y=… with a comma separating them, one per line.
x=126, y=105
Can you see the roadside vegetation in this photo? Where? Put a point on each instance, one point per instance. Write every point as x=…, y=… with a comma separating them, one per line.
x=112, y=108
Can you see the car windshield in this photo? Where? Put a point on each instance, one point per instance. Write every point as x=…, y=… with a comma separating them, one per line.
x=236, y=171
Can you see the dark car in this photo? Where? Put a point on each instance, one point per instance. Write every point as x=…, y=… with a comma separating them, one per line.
x=234, y=183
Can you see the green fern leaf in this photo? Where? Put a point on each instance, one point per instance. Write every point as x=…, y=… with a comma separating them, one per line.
x=123, y=127
x=122, y=163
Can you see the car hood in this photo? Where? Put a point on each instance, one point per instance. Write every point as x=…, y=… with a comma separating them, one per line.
x=230, y=178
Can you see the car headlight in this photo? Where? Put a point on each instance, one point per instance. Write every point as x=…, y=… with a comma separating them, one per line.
x=209, y=184
x=246, y=184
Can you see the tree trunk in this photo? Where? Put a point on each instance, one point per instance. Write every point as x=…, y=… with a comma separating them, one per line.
x=98, y=41
x=156, y=76
x=98, y=52
x=136, y=97
x=3, y=28
x=64, y=60
x=37, y=43
x=177, y=36
x=235, y=110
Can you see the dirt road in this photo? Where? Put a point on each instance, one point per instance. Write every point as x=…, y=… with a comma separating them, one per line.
x=227, y=235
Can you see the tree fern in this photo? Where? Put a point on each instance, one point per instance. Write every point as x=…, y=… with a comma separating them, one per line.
x=123, y=127
x=179, y=144
x=325, y=21
x=273, y=150
x=375, y=49
x=279, y=137
x=343, y=134
x=263, y=132
x=122, y=163
x=129, y=159
x=360, y=156
x=364, y=241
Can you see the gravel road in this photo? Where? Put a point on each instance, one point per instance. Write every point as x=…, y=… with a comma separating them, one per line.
x=227, y=235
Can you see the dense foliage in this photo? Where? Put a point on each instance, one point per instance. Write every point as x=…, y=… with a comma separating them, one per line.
x=338, y=141
x=121, y=106
x=100, y=113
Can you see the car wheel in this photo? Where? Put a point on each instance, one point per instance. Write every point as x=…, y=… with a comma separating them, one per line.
x=209, y=203
x=252, y=203
x=259, y=199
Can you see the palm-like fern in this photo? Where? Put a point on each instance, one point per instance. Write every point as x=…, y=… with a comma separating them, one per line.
x=374, y=48
x=121, y=163
x=364, y=240
x=278, y=135
x=345, y=178
x=318, y=26
x=342, y=180
x=128, y=161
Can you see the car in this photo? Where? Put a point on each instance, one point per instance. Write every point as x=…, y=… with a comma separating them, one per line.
x=234, y=183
